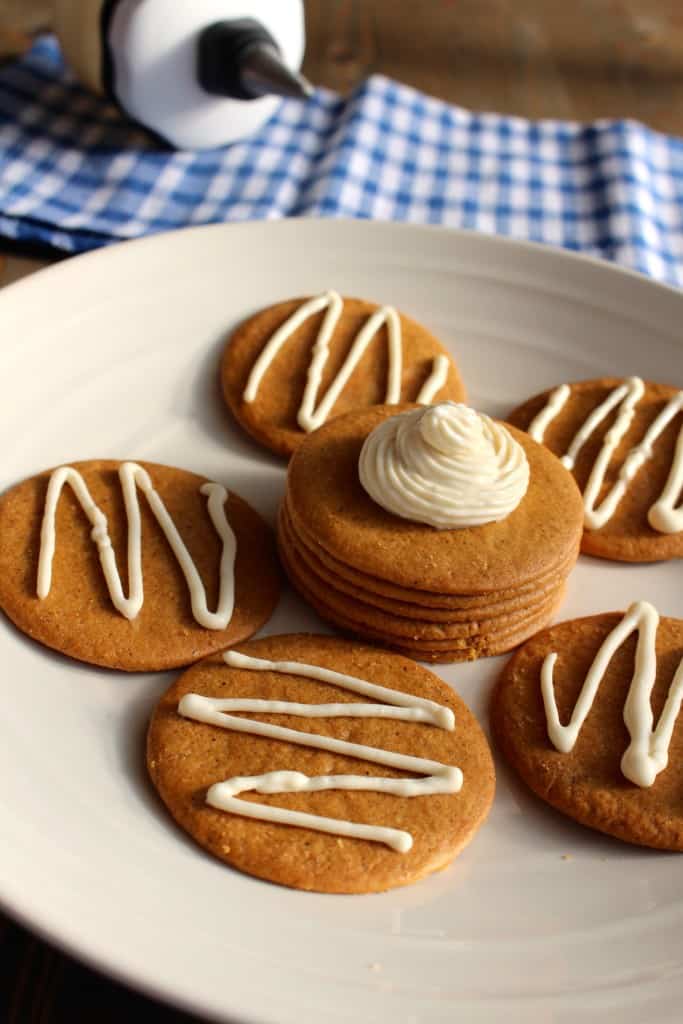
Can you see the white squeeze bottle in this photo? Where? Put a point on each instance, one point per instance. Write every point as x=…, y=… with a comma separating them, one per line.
x=198, y=73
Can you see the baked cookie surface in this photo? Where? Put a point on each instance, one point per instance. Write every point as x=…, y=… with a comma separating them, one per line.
x=415, y=620
x=425, y=603
x=436, y=593
x=477, y=645
x=77, y=615
x=587, y=782
x=627, y=534
x=187, y=757
x=324, y=493
x=271, y=415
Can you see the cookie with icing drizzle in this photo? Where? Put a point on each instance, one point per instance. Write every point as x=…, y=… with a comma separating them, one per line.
x=293, y=366
x=622, y=438
x=588, y=714
x=133, y=566
x=321, y=764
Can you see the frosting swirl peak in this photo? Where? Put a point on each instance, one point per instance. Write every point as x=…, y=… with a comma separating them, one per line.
x=446, y=465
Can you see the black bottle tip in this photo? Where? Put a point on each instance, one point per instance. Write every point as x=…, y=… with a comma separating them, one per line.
x=240, y=59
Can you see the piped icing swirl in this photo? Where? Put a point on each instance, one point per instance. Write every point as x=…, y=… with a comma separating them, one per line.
x=448, y=466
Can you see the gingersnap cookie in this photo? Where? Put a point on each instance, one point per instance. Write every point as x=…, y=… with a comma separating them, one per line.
x=325, y=493
x=413, y=604
x=623, y=441
x=133, y=566
x=434, y=531
x=292, y=366
x=445, y=633
x=477, y=645
x=587, y=713
x=320, y=764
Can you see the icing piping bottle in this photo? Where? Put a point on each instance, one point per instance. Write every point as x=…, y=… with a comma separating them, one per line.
x=198, y=73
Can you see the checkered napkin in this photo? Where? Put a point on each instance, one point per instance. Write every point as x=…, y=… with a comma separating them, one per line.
x=74, y=176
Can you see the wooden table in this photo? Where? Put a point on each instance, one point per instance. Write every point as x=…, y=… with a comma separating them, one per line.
x=535, y=58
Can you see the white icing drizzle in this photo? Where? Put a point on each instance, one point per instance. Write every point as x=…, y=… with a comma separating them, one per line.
x=448, y=466
x=133, y=478
x=662, y=516
x=648, y=752
x=309, y=418
x=435, y=381
x=397, y=705
x=555, y=403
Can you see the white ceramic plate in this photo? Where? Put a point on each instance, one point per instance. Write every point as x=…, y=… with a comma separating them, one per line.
x=115, y=355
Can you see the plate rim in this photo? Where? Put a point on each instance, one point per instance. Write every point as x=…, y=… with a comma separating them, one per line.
x=554, y=251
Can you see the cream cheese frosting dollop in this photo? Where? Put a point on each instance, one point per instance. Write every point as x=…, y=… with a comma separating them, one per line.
x=446, y=465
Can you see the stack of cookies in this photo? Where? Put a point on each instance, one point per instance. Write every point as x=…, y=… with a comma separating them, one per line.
x=433, y=591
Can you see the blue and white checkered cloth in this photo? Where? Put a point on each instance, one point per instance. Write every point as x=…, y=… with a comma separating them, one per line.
x=74, y=176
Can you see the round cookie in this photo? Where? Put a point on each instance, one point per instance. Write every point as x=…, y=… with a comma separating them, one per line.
x=484, y=606
x=380, y=623
x=271, y=418
x=77, y=616
x=185, y=757
x=325, y=493
x=627, y=535
x=587, y=783
x=477, y=646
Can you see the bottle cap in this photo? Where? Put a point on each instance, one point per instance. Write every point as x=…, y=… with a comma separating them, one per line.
x=241, y=60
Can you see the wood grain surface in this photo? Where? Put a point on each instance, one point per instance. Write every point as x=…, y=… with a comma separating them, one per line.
x=533, y=58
